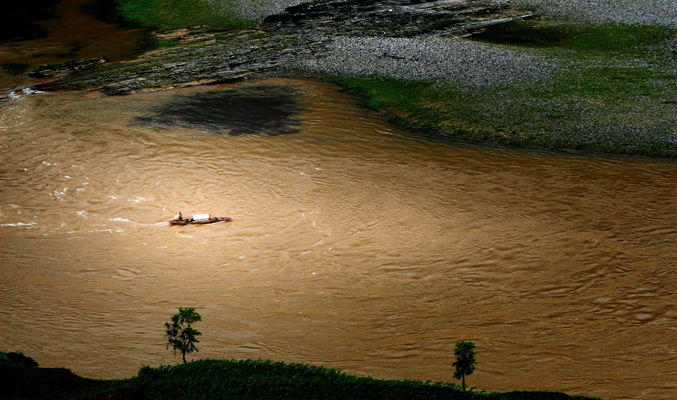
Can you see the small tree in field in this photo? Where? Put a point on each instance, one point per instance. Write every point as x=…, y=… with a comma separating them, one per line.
x=465, y=360
x=180, y=335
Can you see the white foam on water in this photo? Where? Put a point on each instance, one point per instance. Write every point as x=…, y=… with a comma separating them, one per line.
x=25, y=91
x=19, y=224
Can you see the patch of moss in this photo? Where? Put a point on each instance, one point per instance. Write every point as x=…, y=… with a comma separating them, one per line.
x=173, y=42
x=173, y=14
x=605, y=37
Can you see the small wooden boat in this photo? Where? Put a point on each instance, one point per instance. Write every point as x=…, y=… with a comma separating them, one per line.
x=199, y=219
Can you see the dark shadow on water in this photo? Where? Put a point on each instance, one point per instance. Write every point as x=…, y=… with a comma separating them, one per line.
x=265, y=110
x=20, y=20
x=14, y=68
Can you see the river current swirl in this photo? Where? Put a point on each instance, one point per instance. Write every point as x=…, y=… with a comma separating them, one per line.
x=354, y=245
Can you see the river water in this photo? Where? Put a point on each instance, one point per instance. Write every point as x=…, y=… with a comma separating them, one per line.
x=354, y=245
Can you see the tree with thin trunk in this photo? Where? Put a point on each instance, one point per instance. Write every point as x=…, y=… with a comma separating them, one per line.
x=180, y=335
x=465, y=360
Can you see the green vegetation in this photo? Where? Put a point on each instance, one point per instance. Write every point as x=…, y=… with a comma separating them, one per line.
x=231, y=379
x=173, y=14
x=21, y=379
x=576, y=121
x=606, y=37
x=14, y=358
x=180, y=335
x=209, y=379
x=612, y=90
x=28, y=383
x=465, y=360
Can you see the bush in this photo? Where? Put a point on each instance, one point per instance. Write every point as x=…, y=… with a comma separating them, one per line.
x=258, y=379
x=19, y=359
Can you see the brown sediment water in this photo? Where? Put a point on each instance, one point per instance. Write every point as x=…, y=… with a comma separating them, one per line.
x=354, y=245
x=71, y=35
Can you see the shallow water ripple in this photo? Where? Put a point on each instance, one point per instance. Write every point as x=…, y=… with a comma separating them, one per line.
x=354, y=245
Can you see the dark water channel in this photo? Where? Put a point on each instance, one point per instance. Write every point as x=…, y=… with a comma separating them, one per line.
x=61, y=31
x=355, y=245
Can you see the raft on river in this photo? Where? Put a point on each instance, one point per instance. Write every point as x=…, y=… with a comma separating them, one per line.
x=199, y=219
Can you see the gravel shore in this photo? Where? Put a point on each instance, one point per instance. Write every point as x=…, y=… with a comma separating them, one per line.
x=453, y=60
x=645, y=12
x=462, y=62
x=493, y=74
x=255, y=10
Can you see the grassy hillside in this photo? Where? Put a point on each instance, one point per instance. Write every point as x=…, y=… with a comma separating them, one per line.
x=230, y=379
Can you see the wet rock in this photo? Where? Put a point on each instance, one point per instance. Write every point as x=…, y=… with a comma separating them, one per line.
x=391, y=18
x=54, y=70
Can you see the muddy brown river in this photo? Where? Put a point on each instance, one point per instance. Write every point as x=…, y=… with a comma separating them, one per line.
x=354, y=244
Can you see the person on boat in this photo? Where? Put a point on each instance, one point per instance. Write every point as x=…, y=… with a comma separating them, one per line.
x=179, y=217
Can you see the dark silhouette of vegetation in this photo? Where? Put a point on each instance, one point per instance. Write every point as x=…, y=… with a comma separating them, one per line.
x=465, y=360
x=236, y=379
x=15, y=358
x=180, y=335
x=18, y=382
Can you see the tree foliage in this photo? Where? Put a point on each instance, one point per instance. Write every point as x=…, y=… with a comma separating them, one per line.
x=465, y=360
x=180, y=335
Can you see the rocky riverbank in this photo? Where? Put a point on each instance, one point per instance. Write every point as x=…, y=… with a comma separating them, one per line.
x=282, y=44
x=597, y=76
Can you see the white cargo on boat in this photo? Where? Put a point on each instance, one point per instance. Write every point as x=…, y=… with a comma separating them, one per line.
x=200, y=217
